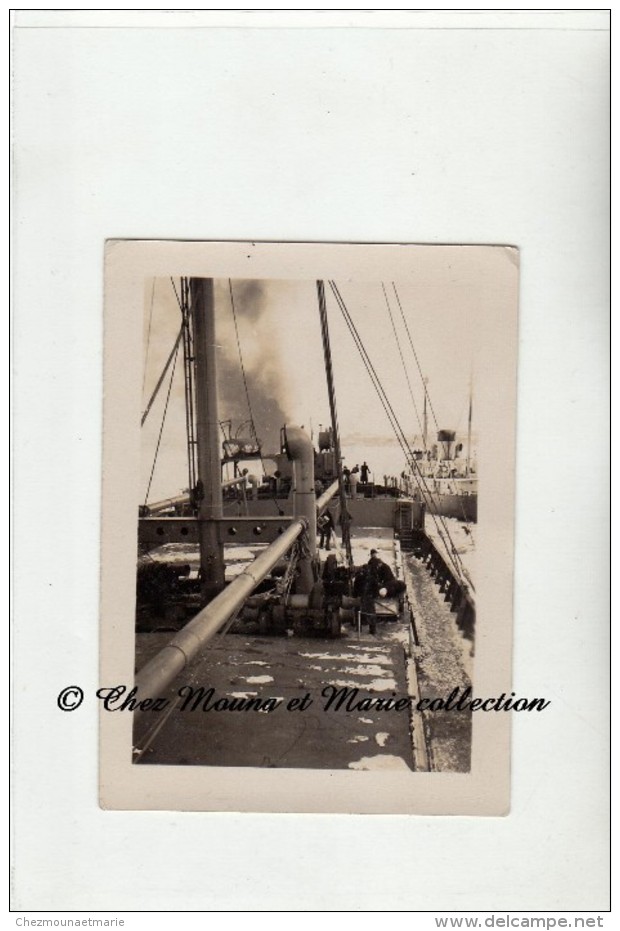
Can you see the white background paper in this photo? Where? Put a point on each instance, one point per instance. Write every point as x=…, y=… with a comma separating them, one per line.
x=394, y=127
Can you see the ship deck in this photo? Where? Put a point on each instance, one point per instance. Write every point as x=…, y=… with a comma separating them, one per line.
x=301, y=727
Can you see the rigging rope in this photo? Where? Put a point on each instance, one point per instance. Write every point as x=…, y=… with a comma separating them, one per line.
x=161, y=429
x=424, y=382
x=428, y=398
x=148, y=337
x=176, y=294
x=402, y=358
x=419, y=477
x=415, y=355
x=162, y=376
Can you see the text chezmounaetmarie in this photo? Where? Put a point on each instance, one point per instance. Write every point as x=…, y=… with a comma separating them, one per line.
x=332, y=698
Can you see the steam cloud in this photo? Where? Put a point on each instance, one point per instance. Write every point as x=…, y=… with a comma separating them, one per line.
x=258, y=336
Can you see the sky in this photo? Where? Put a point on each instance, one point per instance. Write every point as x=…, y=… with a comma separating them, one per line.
x=279, y=342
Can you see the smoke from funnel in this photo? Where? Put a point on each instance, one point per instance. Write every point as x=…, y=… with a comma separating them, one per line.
x=250, y=349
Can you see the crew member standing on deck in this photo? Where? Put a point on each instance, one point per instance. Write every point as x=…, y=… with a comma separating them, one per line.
x=326, y=526
x=346, y=475
x=364, y=472
x=369, y=584
x=353, y=480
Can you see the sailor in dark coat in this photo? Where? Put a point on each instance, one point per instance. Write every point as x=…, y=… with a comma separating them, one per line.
x=369, y=592
x=385, y=577
x=326, y=526
x=346, y=474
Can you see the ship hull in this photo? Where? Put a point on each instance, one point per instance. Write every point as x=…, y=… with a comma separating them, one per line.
x=463, y=507
x=363, y=511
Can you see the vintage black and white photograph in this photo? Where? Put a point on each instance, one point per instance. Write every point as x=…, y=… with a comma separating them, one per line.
x=308, y=538
x=310, y=493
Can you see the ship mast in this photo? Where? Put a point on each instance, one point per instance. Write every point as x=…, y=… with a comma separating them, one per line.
x=425, y=419
x=344, y=514
x=208, y=491
x=469, y=431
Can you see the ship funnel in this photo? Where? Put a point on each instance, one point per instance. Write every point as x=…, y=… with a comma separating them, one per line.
x=446, y=439
x=298, y=446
